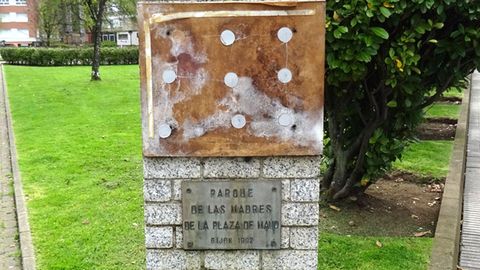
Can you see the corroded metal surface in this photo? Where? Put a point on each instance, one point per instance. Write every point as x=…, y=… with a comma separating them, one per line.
x=232, y=78
x=231, y=214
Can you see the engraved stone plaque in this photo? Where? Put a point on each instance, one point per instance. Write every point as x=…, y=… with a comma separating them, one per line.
x=231, y=214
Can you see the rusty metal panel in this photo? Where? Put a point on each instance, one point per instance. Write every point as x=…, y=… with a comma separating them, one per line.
x=232, y=78
x=231, y=214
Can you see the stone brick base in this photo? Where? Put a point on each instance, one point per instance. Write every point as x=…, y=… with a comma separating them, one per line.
x=300, y=178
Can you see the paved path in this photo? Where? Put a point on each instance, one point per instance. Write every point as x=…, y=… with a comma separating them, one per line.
x=470, y=238
x=9, y=244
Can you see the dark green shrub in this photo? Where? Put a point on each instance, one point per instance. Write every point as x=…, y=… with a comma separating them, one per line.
x=68, y=56
x=386, y=61
x=108, y=43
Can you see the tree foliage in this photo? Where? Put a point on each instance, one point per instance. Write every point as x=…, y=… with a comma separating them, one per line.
x=98, y=11
x=49, y=15
x=79, y=14
x=60, y=19
x=386, y=61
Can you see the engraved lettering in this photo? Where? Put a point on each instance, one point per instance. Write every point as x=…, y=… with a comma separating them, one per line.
x=232, y=225
x=268, y=224
x=234, y=193
x=245, y=240
x=189, y=225
x=202, y=225
x=221, y=240
x=231, y=215
x=197, y=209
x=248, y=225
x=216, y=209
x=251, y=209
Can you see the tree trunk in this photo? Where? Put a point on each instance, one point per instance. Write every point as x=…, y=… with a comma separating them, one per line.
x=97, y=37
x=96, y=54
x=48, y=39
x=347, y=168
x=349, y=149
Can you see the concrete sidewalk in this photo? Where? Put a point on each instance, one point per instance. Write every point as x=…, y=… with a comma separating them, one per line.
x=16, y=247
x=9, y=244
x=470, y=234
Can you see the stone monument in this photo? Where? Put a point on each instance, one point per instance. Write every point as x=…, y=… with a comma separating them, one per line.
x=232, y=120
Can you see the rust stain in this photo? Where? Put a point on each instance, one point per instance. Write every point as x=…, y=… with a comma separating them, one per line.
x=281, y=118
x=187, y=64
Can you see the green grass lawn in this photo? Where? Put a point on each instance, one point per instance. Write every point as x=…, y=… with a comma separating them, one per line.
x=426, y=158
x=454, y=92
x=443, y=110
x=79, y=149
x=362, y=253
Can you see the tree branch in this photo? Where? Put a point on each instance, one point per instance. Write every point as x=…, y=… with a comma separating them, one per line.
x=327, y=178
x=93, y=13
x=440, y=91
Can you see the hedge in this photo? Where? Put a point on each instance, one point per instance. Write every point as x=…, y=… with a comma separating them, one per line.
x=68, y=56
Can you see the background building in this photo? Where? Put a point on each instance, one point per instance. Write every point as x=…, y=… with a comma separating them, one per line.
x=18, y=22
x=122, y=30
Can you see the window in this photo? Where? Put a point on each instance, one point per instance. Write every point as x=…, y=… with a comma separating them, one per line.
x=13, y=17
x=21, y=2
x=116, y=23
x=4, y=2
x=14, y=34
x=108, y=37
x=21, y=17
x=23, y=33
x=122, y=36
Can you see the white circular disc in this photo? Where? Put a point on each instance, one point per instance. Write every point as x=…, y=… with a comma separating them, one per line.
x=285, y=34
x=199, y=131
x=169, y=76
x=284, y=75
x=227, y=37
x=164, y=131
x=231, y=79
x=285, y=119
x=239, y=121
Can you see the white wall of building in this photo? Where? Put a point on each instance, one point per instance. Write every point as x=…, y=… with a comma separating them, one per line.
x=135, y=38
x=127, y=38
x=13, y=2
x=13, y=17
x=10, y=35
x=14, y=34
